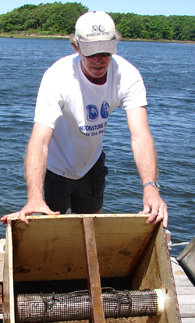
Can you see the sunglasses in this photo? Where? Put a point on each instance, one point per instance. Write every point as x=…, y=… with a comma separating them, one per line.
x=101, y=54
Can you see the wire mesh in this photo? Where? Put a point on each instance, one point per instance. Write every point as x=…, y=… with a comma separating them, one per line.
x=76, y=305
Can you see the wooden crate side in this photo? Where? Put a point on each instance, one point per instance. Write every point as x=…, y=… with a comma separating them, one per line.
x=146, y=274
x=2, y=252
x=168, y=282
x=8, y=287
x=120, y=243
x=49, y=250
x=125, y=244
x=52, y=248
x=154, y=271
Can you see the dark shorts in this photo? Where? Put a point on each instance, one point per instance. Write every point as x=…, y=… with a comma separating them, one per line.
x=84, y=195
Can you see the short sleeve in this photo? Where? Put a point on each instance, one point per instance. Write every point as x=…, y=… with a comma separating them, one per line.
x=49, y=100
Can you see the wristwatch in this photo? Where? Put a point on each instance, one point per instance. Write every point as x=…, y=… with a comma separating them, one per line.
x=154, y=184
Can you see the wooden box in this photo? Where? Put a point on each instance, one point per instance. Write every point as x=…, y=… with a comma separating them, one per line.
x=51, y=248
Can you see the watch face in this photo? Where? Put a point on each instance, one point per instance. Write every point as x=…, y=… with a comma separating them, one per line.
x=157, y=185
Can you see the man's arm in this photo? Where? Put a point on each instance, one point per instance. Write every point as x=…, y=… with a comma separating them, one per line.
x=146, y=162
x=35, y=168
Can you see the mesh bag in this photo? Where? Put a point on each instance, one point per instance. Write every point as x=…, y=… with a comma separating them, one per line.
x=76, y=305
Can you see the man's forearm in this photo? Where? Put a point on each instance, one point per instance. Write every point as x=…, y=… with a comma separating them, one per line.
x=142, y=144
x=146, y=162
x=145, y=157
x=36, y=160
x=35, y=167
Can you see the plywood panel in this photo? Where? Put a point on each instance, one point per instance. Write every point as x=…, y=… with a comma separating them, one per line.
x=154, y=271
x=120, y=243
x=52, y=247
x=48, y=250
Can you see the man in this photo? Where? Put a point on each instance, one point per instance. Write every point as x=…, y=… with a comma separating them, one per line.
x=75, y=98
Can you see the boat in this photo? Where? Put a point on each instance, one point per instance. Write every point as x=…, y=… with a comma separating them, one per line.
x=98, y=267
x=186, y=259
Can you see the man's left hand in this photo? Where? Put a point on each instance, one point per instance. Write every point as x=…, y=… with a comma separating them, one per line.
x=154, y=204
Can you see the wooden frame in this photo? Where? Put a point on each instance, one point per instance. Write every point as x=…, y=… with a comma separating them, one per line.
x=52, y=248
x=93, y=271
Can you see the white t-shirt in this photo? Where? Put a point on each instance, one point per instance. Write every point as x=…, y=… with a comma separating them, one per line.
x=78, y=110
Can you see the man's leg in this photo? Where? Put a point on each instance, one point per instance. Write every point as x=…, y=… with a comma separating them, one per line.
x=87, y=198
x=57, y=193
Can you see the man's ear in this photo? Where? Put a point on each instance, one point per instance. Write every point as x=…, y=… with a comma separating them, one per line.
x=78, y=49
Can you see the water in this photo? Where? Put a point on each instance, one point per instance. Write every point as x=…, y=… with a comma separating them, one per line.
x=168, y=70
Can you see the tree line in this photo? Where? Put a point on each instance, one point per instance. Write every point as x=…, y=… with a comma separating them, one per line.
x=59, y=19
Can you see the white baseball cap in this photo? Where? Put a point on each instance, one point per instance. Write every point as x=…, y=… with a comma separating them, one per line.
x=95, y=32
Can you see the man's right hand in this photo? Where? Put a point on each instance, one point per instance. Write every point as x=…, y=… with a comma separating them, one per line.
x=32, y=206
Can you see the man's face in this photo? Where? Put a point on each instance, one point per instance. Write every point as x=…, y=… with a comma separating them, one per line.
x=95, y=67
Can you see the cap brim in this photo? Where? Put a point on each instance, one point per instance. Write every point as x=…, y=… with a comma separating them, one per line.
x=104, y=46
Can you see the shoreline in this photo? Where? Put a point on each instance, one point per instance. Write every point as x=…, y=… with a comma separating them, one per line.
x=32, y=36
x=41, y=36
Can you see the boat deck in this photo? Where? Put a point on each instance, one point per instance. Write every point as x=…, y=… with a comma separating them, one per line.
x=185, y=289
x=185, y=293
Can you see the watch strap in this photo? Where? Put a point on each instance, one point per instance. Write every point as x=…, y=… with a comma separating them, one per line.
x=154, y=184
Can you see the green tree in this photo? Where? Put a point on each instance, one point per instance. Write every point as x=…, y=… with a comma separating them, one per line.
x=49, y=17
x=59, y=18
x=67, y=18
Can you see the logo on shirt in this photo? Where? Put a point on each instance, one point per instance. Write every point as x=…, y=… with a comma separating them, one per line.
x=105, y=110
x=93, y=111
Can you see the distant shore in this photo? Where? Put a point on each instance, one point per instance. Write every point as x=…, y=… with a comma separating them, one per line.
x=42, y=36
x=34, y=35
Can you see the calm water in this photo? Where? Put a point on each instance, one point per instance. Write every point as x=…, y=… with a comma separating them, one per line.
x=168, y=71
